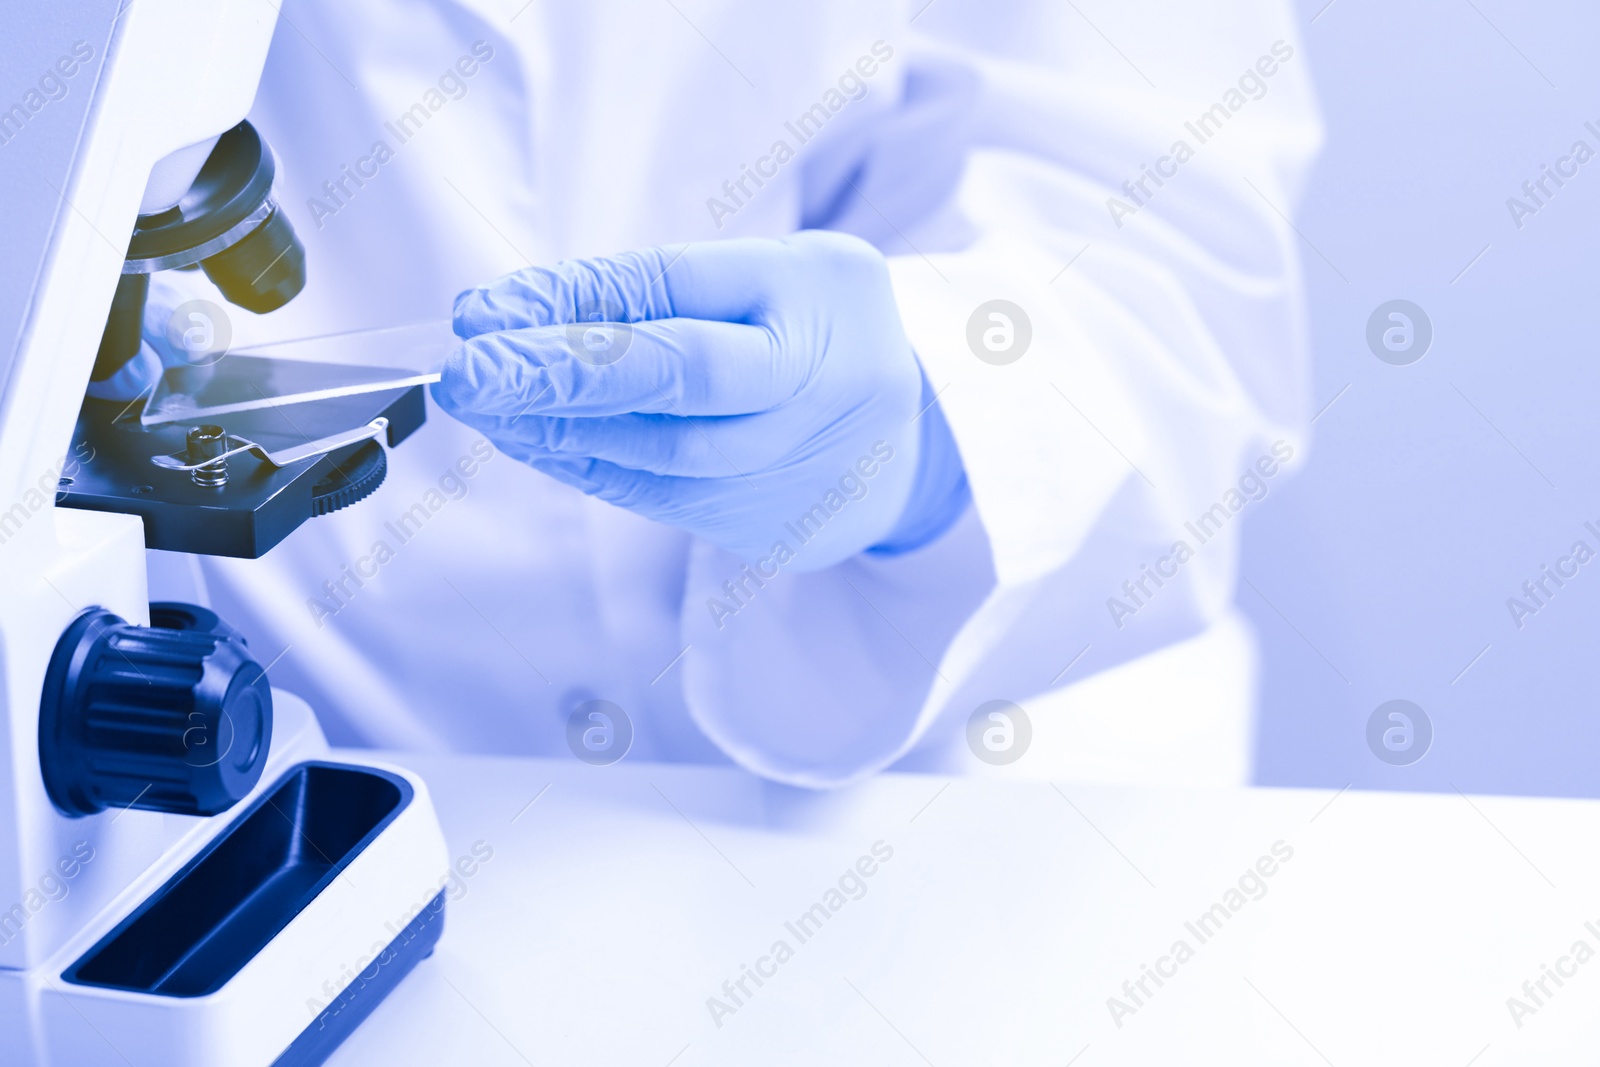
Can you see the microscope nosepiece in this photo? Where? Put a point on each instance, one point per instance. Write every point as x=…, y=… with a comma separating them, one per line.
x=228, y=223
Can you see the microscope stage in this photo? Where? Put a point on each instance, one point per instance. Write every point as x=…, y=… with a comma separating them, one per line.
x=260, y=504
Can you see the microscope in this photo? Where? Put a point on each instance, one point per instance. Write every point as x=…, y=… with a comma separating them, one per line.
x=188, y=875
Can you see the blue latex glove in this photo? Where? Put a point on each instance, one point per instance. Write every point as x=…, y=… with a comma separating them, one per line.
x=758, y=393
x=198, y=337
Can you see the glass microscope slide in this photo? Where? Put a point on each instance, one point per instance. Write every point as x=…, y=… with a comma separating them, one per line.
x=296, y=372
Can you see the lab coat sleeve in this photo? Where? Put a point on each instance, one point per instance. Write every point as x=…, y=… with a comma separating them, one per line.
x=1129, y=203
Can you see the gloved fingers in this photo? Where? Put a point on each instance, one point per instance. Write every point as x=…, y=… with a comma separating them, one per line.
x=628, y=287
x=183, y=330
x=663, y=498
x=738, y=280
x=676, y=366
x=133, y=379
x=724, y=281
x=701, y=447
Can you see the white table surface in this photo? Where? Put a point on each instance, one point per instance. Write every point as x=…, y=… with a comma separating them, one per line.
x=624, y=896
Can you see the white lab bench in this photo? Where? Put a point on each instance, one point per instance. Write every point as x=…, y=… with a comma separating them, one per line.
x=623, y=897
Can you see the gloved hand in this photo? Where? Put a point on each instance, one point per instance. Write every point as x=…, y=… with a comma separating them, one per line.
x=198, y=337
x=758, y=393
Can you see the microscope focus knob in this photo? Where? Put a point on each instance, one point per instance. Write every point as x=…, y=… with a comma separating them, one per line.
x=173, y=717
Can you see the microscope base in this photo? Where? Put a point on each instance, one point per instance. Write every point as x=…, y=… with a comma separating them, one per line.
x=267, y=947
x=340, y=1019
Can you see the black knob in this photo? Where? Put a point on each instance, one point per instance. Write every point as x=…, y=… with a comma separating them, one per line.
x=173, y=717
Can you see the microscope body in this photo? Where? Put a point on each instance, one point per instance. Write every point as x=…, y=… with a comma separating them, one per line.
x=179, y=924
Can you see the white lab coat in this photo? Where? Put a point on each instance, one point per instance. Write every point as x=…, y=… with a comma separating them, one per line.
x=1166, y=353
